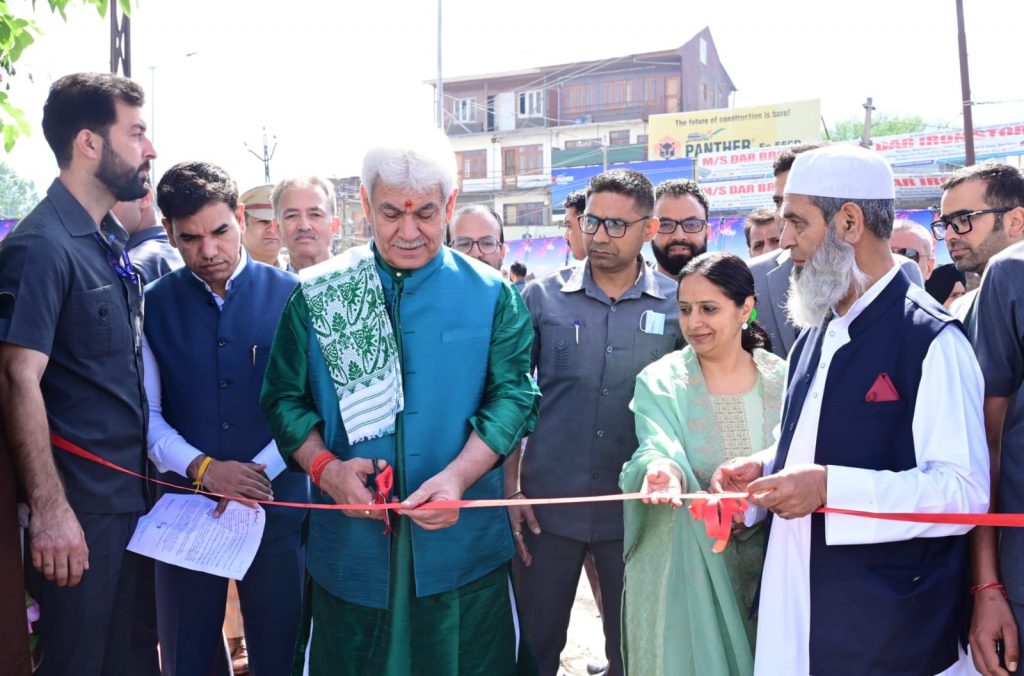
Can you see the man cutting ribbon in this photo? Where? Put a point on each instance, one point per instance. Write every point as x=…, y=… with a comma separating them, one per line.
x=882, y=413
x=418, y=357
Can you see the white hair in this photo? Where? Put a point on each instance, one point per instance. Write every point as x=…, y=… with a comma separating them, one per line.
x=902, y=224
x=422, y=162
x=300, y=183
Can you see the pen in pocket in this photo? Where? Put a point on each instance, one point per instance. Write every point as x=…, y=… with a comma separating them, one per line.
x=576, y=325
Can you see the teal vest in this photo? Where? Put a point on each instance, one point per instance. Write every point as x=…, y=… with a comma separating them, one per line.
x=442, y=316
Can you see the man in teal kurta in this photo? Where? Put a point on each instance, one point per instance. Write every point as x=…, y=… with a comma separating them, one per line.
x=412, y=355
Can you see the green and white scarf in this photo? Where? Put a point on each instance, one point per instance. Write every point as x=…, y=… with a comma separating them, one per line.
x=347, y=309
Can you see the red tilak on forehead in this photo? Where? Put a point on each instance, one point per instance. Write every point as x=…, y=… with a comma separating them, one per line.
x=408, y=205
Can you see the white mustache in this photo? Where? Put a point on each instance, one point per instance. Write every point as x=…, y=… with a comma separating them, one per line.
x=404, y=244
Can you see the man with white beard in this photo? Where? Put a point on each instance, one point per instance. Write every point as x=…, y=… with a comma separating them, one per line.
x=843, y=594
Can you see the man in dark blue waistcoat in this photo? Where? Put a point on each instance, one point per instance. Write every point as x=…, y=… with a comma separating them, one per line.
x=208, y=331
x=882, y=413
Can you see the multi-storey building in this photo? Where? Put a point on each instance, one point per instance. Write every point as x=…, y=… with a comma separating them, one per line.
x=511, y=129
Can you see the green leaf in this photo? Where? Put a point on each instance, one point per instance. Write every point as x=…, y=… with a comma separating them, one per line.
x=57, y=6
x=22, y=121
x=17, y=34
x=10, y=137
x=21, y=41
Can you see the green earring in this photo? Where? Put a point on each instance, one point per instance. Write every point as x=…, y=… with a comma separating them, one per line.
x=753, y=316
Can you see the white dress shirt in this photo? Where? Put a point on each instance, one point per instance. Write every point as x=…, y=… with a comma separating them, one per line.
x=952, y=475
x=167, y=448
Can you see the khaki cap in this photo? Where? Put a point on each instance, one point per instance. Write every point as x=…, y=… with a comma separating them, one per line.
x=257, y=202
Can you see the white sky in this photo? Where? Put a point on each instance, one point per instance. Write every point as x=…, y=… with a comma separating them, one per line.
x=330, y=78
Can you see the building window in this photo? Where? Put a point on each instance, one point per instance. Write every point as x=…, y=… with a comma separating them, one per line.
x=617, y=93
x=531, y=103
x=523, y=160
x=647, y=89
x=618, y=138
x=703, y=51
x=583, y=143
x=525, y=214
x=471, y=164
x=577, y=98
x=465, y=110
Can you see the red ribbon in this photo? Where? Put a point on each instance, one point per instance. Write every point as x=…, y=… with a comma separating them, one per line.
x=716, y=511
x=65, y=445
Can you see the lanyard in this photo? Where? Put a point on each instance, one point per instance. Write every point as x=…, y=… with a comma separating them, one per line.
x=125, y=271
x=123, y=268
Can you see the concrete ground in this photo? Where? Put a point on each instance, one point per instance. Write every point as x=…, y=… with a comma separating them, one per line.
x=585, y=642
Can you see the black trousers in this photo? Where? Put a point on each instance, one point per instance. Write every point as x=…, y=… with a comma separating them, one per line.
x=190, y=613
x=547, y=590
x=87, y=629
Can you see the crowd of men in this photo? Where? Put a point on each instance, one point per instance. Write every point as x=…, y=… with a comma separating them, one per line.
x=264, y=367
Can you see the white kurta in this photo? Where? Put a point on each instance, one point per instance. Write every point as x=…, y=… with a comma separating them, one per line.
x=952, y=475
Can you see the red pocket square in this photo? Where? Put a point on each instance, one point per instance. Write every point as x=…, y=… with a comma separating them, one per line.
x=883, y=389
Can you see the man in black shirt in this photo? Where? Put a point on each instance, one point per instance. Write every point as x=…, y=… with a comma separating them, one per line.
x=71, y=371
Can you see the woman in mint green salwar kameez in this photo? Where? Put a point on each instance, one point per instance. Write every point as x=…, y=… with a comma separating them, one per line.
x=685, y=608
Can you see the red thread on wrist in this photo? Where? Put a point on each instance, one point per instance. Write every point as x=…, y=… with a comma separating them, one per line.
x=991, y=585
x=319, y=464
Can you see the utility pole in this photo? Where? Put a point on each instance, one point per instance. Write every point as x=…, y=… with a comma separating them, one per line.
x=266, y=156
x=440, y=82
x=865, y=138
x=120, y=43
x=965, y=85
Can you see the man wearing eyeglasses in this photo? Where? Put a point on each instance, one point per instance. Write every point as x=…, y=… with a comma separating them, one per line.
x=596, y=325
x=681, y=207
x=972, y=223
x=911, y=240
x=982, y=219
x=476, y=230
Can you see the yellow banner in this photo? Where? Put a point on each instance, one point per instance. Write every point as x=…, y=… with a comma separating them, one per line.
x=729, y=129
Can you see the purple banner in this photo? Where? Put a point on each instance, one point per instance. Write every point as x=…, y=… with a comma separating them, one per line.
x=541, y=256
x=547, y=254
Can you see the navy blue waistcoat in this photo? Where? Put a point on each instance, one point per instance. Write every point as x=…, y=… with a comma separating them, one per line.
x=896, y=608
x=211, y=370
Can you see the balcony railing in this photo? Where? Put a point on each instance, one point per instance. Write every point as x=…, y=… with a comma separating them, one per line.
x=611, y=112
x=605, y=112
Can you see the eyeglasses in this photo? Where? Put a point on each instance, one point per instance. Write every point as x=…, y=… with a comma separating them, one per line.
x=615, y=227
x=667, y=226
x=960, y=223
x=487, y=245
x=908, y=252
